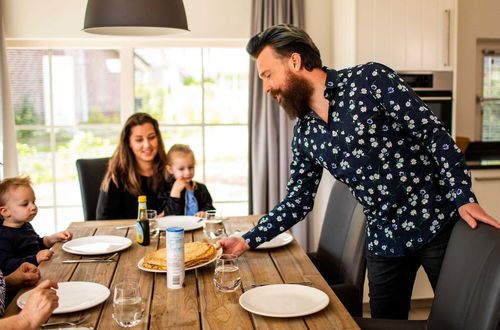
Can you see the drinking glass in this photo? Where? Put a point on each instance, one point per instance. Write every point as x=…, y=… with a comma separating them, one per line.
x=213, y=227
x=128, y=307
x=227, y=273
x=153, y=224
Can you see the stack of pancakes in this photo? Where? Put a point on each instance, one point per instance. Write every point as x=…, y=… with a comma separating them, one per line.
x=195, y=253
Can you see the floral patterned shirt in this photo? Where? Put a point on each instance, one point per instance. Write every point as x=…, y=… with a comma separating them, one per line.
x=2, y=294
x=397, y=158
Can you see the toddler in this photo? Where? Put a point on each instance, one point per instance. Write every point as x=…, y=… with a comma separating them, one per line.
x=181, y=195
x=18, y=240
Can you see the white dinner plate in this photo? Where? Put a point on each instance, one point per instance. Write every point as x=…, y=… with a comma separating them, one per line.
x=184, y=221
x=74, y=296
x=101, y=244
x=284, y=300
x=280, y=240
x=141, y=267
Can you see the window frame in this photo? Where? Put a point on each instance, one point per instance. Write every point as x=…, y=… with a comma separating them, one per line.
x=127, y=88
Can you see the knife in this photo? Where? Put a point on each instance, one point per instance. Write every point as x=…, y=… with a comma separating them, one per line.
x=300, y=283
x=73, y=261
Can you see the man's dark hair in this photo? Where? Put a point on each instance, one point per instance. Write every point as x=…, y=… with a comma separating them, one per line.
x=286, y=39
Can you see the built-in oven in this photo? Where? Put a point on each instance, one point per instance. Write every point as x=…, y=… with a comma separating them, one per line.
x=435, y=89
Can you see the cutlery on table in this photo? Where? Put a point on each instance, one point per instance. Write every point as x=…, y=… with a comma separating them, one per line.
x=103, y=259
x=124, y=227
x=300, y=283
x=72, y=322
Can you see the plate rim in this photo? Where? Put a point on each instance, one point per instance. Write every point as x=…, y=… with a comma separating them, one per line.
x=277, y=245
x=285, y=285
x=197, y=225
x=26, y=294
x=127, y=242
x=141, y=261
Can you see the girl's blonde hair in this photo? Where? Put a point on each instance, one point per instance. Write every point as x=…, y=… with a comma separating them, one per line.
x=123, y=168
x=179, y=148
x=9, y=183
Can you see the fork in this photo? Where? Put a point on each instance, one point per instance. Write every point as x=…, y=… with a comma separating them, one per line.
x=72, y=322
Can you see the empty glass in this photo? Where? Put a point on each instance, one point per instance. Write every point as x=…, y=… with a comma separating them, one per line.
x=227, y=273
x=128, y=307
x=213, y=227
x=153, y=224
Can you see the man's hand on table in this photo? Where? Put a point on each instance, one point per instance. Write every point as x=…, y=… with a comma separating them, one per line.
x=232, y=245
x=25, y=275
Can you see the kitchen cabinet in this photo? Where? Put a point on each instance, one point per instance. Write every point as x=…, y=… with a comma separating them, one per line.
x=406, y=34
x=486, y=186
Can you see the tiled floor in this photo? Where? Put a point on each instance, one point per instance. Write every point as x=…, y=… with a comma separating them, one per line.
x=420, y=309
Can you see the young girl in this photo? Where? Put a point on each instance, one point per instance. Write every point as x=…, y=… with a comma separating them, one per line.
x=181, y=195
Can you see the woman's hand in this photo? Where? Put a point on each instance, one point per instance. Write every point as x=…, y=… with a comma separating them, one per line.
x=25, y=275
x=40, y=304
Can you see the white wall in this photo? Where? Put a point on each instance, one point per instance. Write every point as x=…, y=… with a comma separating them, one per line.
x=478, y=19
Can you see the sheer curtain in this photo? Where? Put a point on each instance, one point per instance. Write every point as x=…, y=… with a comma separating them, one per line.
x=270, y=128
x=8, y=151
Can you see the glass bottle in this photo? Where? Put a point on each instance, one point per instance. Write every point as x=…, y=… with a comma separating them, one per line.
x=142, y=224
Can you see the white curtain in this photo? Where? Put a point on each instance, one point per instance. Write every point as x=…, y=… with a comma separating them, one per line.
x=270, y=129
x=8, y=152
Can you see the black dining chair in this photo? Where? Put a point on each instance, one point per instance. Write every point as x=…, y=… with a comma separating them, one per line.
x=340, y=257
x=468, y=290
x=91, y=171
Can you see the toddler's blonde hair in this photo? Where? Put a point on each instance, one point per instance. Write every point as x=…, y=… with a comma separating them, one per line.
x=8, y=184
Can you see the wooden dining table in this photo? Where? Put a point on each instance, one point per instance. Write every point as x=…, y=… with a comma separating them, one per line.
x=199, y=305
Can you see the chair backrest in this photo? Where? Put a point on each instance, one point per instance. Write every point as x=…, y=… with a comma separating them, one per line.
x=342, y=245
x=468, y=290
x=90, y=174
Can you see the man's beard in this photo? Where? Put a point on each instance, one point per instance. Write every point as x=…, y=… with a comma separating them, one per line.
x=295, y=96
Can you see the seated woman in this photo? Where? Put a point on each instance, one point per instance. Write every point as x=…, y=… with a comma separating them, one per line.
x=137, y=167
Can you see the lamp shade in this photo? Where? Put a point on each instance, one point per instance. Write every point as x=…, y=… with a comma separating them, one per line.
x=135, y=17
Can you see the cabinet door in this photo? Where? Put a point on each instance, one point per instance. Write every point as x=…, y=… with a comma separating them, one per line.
x=406, y=34
x=486, y=186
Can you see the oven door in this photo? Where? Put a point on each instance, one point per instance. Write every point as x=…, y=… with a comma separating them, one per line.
x=441, y=107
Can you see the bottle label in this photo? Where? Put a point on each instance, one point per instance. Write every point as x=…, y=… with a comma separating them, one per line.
x=139, y=233
x=175, y=259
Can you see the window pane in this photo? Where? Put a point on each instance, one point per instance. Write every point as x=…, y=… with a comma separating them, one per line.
x=27, y=84
x=226, y=85
x=34, y=159
x=167, y=84
x=491, y=104
x=85, y=86
x=232, y=209
x=491, y=121
x=227, y=162
x=44, y=223
x=72, y=144
x=67, y=215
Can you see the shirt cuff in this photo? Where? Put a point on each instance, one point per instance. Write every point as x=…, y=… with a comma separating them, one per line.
x=463, y=195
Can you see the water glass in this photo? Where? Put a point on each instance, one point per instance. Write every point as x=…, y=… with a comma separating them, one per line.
x=128, y=306
x=213, y=227
x=153, y=224
x=227, y=273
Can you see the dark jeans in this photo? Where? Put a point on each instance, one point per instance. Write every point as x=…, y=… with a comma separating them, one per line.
x=391, y=279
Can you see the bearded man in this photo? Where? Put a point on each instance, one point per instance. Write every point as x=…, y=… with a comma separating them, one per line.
x=369, y=129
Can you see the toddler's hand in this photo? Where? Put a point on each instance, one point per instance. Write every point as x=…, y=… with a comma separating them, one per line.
x=63, y=236
x=200, y=214
x=178, y=187
x=44, y=255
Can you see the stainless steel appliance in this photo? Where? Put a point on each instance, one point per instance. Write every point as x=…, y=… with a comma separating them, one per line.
x=435, y=89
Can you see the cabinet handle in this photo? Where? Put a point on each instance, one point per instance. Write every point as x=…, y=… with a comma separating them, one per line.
x=490, y=178
x=447, y=39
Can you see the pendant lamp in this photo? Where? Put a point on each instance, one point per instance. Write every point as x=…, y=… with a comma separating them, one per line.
x=135, y=17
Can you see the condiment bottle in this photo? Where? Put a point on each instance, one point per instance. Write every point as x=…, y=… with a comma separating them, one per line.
x=175, y=257
x=142, y=224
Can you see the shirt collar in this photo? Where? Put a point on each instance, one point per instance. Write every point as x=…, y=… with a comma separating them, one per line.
x=332, y=80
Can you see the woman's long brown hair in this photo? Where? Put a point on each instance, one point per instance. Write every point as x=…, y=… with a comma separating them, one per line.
x=123, y=169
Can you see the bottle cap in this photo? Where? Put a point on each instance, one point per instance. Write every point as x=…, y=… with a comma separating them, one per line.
x=142, y=199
